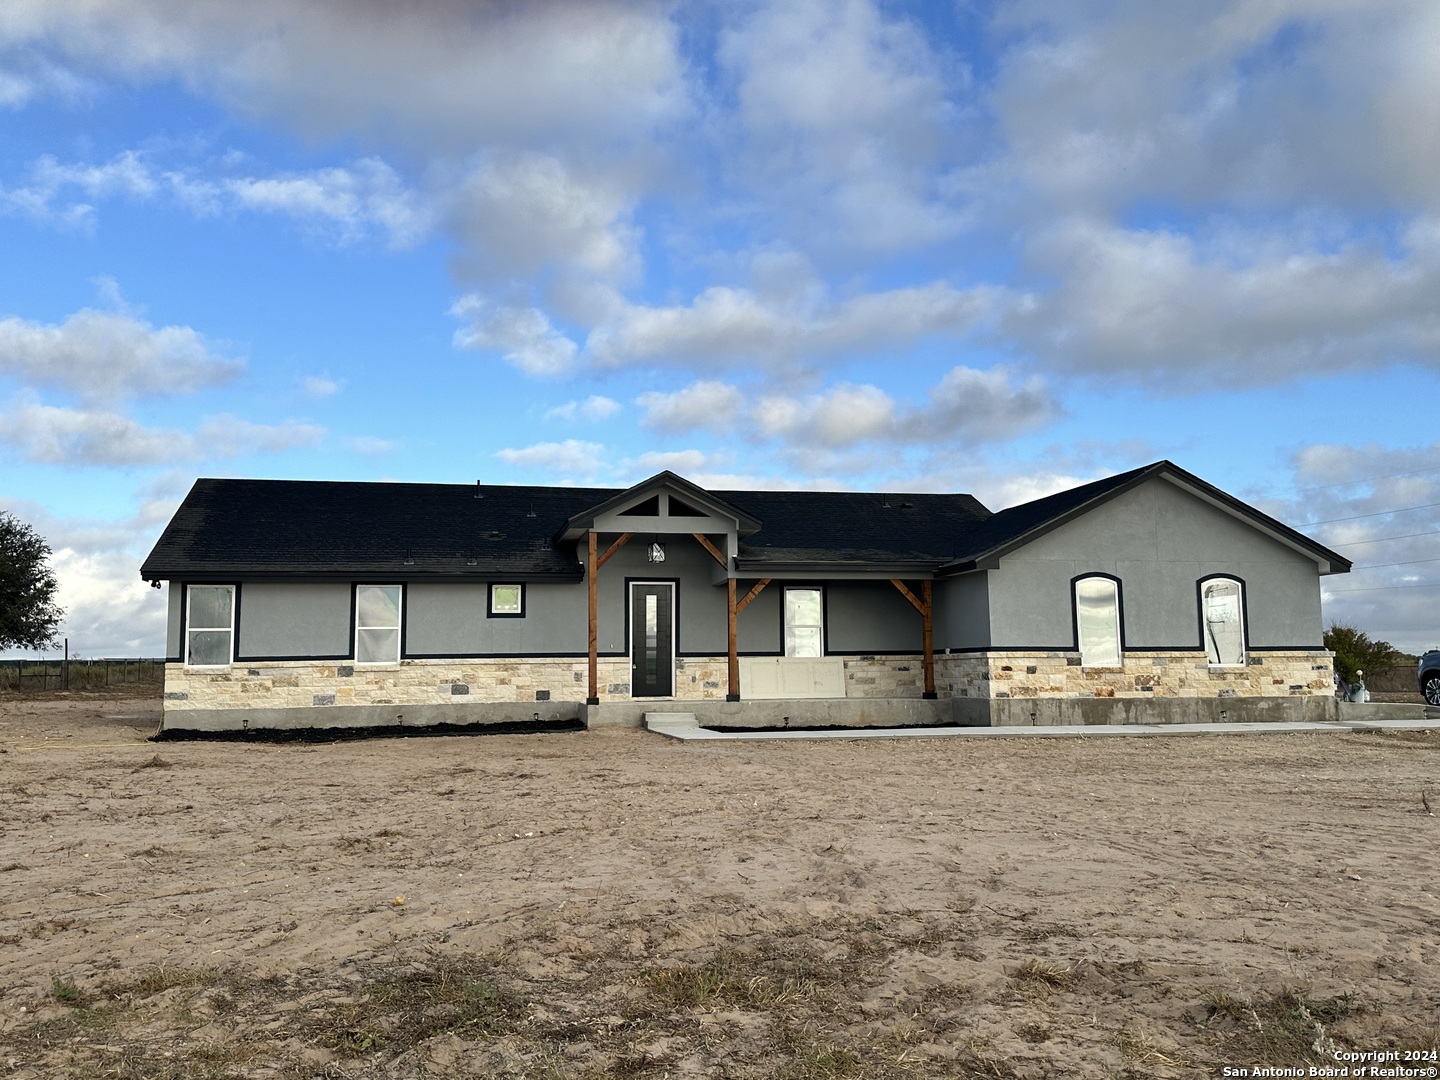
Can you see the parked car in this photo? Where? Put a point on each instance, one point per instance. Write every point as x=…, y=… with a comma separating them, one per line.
x=1430, y=676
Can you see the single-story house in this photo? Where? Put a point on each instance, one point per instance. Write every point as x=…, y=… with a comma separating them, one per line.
x=1149, y=596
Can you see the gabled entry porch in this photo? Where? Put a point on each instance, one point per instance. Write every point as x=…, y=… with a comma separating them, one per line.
x=665, y=533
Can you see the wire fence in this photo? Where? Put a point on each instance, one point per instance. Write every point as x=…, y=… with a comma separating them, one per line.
x=1404, y=679
x=38, y=676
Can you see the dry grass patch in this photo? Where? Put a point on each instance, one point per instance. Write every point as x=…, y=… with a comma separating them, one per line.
x=1286, y=1026
x=399, y=1007
x=734, y=979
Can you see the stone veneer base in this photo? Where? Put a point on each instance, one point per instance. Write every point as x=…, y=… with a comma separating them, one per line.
x=1001, y=688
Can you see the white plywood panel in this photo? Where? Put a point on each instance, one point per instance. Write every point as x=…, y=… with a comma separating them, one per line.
x=778, y=677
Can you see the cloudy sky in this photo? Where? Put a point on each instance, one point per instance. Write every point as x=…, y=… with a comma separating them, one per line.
x=977, y=245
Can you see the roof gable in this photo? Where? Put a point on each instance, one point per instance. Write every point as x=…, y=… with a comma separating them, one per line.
x=650, y=506
x=1019, y=525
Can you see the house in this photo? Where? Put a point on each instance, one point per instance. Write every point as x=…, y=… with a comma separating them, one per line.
x=1148, y=596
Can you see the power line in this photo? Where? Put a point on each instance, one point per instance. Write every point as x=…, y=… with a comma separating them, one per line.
x=1387, y=588
x=1379, y=539
x=1367, y=480
x=1378, y=565
x=1377, y=513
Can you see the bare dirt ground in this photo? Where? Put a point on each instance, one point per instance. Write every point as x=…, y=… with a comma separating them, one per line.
x=615, y=904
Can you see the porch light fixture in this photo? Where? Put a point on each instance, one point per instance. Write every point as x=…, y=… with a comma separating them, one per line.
x=655, y=552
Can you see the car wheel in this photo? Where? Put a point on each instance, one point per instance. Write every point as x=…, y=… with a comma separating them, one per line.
x=1432, y=687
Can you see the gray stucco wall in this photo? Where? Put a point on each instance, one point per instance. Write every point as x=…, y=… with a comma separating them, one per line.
x=1159, y=541
x=962, y=612
x=449, y=619
x=175, y=597
x=871, y=617
x=759, y=629
x=281, y=619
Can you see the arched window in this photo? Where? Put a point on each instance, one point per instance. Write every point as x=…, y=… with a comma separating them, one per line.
x=1097, y=621
x=1222, y=621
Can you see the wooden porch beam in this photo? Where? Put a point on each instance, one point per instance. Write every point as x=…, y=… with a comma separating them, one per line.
x=611, y=550
x=712, y=549
x=759, y=587
x=919, y=606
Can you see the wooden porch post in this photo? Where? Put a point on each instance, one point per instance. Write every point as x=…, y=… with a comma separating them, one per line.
x=927, y=593
x=592, y=573
x=734, y=693
x=591, y=569
x=927, y=632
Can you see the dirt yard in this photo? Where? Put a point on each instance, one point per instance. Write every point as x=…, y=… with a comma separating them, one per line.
x=615, y=904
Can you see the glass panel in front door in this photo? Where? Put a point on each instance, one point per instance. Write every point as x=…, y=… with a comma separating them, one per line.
x=652, y=655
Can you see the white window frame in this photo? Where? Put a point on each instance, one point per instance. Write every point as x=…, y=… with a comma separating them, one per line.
x=1240, y=614
x=785, y=618
x=399, y=624
x=492, y=612
x=1085, y=661
x=190, y=626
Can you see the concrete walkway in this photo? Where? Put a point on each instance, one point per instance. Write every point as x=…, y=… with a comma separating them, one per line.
x=684, y=727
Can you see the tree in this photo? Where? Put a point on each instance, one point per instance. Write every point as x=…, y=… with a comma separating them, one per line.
x=29, y=616
x=1354, y=651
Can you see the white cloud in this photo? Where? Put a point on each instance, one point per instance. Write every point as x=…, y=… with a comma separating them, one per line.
x=124, y=175
x=1162, y=307
x=342, y=204
x=1360, y=496
x=109, y=611
x=569, y=458
x=523, y=336
x=686, y=463
x=709, y=405
x=102, y=355
x=593, y=409
x=320, y=385
x=63, y=436
x=231, y=436
x=844, y=119
x=444, y=74
x=728, y=327
x=352, y=200
x=370, y=444
x=966, y=407
x=524, y=213
x=1266, y=104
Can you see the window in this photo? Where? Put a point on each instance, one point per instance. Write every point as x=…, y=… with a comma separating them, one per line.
x=684, y=509
x=1097, y=621
x=210, y=625
x=1223, y=621
x=507, y=602
x=377, y=624
x=804, y=623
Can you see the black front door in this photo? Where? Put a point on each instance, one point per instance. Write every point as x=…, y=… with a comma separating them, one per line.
x=652, y=640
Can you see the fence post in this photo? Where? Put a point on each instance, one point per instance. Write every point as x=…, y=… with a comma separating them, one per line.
x=65, y=667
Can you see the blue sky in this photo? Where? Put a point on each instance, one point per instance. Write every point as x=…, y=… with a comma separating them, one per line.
x=1000, y=248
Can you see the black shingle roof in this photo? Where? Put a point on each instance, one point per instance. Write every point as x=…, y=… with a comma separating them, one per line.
x=850, y=526
x=234, y=528
x=262, y=527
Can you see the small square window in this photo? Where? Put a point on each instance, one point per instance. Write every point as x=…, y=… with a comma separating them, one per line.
x=507, y=602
